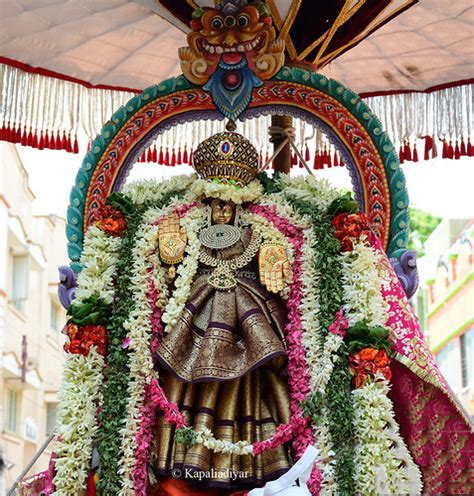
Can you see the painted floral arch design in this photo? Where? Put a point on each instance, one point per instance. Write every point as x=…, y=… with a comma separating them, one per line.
x=378, y=181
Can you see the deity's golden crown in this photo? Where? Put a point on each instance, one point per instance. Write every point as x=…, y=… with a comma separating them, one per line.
x=227, y=158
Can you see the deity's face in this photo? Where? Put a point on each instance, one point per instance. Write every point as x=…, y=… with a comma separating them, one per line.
x=223, y=212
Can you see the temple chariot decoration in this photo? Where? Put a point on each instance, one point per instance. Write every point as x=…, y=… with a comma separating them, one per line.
x=235, y=329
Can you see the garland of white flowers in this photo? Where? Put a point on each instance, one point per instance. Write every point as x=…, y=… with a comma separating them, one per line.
x=98, y=261
x=362, y=285
x=144, y=256
x=382, y=462
x=148, y=190
x=82, y=380
x=249, y=193
x=186, y=271
x=77, y=424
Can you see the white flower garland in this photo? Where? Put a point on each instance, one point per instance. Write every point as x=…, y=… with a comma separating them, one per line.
x=207, y=439
x=362, y=286
x=77, y=424
x=98, y=260
x=142, y=191
x=186, y=271
x=383, y=464
x=144, y=257
x=249, y=193
x=82, y=379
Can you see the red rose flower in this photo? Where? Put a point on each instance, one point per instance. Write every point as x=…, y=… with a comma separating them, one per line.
x=381, y=360
x=368, y=353
x=349, y=227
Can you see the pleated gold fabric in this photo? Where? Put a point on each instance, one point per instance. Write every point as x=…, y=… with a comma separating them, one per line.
x=248, y=408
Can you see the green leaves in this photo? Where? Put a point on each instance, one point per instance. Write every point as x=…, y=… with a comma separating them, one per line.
x=92, y=311
x=186, y=436
x=361, y=336
x=122, y=203
x=343, y=204
x=270, y=184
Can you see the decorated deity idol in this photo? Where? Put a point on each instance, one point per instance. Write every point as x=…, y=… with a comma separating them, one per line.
x=236, y=333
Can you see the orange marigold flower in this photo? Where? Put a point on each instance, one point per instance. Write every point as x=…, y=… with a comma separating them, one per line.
x=381, y=360
x=368, y=353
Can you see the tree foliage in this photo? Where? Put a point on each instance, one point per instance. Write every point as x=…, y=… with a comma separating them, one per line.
x=422, y=224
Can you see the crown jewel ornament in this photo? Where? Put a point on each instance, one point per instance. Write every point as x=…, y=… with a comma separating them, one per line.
x=227, y=158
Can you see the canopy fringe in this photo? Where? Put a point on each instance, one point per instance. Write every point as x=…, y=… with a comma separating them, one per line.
x=48, y=113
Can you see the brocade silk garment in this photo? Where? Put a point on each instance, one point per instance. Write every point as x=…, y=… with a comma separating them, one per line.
x=223, y=363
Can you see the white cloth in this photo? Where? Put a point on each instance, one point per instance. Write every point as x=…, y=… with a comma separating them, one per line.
x=286, y=485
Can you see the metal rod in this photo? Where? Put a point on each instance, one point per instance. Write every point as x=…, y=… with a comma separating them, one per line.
x=11, y=491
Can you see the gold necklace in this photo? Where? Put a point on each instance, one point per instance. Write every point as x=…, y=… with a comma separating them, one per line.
x=223, y=276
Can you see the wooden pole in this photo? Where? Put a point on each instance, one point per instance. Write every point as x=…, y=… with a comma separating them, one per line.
x=279, y=124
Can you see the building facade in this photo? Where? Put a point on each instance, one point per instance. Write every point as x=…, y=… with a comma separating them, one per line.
x=31, y=318
x=450, y=306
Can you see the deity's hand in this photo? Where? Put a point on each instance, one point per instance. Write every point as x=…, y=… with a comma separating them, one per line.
x=172, y=240
x=273, y=266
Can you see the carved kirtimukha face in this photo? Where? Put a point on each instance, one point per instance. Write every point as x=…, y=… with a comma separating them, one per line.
x=223, y=212
x=231, y=35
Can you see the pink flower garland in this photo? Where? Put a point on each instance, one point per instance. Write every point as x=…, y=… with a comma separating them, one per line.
x=340, y=324
x=147, y=412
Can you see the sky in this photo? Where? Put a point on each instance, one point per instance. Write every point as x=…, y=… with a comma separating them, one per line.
x=442, y=187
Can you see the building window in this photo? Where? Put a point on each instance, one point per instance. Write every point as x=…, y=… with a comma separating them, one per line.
x=20, y=282
x=51, y=416
x=467, y=358
x=54, y=316
x=448, y=360
x=13, y=411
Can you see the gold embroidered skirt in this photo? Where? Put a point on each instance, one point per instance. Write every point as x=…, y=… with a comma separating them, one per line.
x=248, y=408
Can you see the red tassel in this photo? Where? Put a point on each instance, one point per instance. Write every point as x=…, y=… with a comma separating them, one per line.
x=24, y=136
x=34, y=142
x=428, y=147
x=173, y=159
x=470, y=148
x=69, y=147
x=167, y=157
x=294, y=159
x=341, y=163
x=161, y=160
x=154, y=156
x=445, y=153
x=457, y=152
x=415, y=153
x=17, y=134
x=450, y=150
x=179, y=159
x=63, y=142
x=29, y=138
x=463, y=148
x=407, y=152
x=46, y=139
x=75, y=148
x=266, y=157
x=336, y=160
x=306, y=153
x=148, y=155
x=8, y=132
x=315, y=160
x=2, y=132
x=401, y=155
x=329, y=159
x=191, y=157
x=319, y=161
x=434, y=149
x=89, y=145
x=185, y=155
x=58, y=140
x=41, y=141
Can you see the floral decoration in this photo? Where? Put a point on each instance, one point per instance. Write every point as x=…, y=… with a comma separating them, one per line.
x=365, y=364
x=82, y=338
x=111, y=220
x=350, y=227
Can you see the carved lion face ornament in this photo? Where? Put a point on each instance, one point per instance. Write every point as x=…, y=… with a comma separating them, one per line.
x=230, y=33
